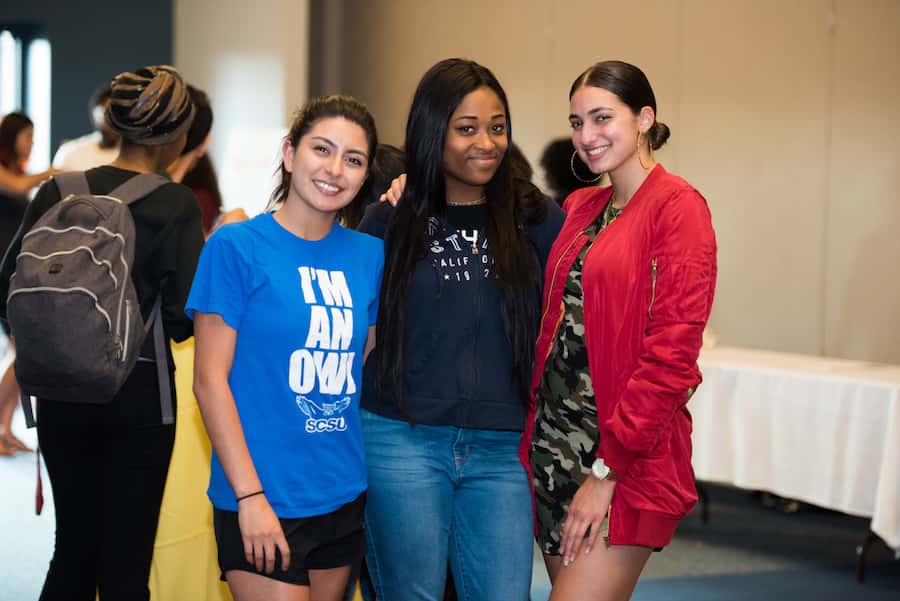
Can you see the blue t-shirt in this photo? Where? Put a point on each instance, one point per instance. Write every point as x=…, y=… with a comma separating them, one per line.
x=302, y=311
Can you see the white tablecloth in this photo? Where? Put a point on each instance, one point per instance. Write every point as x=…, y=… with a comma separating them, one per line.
x=825, y=431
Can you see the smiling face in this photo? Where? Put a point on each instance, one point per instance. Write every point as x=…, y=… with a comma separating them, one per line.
x=328, y=165
x=605, y=130
x=476, y=142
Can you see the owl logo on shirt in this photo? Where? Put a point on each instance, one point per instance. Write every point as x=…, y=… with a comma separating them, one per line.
x=324, y=417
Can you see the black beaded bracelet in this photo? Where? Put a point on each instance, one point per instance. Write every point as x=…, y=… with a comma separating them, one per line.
x=253, y=494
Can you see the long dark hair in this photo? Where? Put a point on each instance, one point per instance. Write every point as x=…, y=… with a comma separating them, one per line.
x=315, y=109
x=515, y=270
x=10, y=126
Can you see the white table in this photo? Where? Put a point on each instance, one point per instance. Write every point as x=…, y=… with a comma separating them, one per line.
x=825, y=431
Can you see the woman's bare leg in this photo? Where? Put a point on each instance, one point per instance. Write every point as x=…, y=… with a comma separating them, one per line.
x=553, y=564
x=247, y=586
x=328, y=585
x=604, y=574
x=9, y=398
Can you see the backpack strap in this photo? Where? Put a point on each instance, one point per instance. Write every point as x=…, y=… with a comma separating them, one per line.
x=27, y=409
x=138, y=187
x=71, y=182
x=162, y=364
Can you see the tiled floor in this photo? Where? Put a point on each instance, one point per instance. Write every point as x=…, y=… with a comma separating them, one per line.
x=747, y=552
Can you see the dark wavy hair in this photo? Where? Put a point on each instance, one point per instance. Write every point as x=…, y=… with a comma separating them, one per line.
x=516, y=269
x=631, y=86
x=10, y=126
x=315, y=109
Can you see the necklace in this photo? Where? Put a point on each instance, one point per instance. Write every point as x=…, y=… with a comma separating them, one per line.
x=610, y=212
x=468, y=203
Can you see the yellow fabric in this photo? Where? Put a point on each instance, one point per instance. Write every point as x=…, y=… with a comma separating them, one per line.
x=184, y=566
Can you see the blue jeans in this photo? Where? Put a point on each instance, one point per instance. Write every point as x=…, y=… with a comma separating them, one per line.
x=439, y=493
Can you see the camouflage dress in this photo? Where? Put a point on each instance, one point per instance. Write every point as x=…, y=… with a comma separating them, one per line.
x=565, y=431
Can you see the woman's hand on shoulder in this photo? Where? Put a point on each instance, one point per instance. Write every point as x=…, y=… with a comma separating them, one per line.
x=233, y=216
x=261, y=533
x=588, y=509
x=395, y=191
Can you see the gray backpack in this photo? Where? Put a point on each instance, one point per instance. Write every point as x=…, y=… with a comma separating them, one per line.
x=72, y=306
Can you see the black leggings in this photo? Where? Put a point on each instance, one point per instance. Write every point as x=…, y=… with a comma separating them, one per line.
x=107, y=465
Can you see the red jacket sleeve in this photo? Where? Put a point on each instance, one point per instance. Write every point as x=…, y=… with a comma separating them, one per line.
x=684, y=248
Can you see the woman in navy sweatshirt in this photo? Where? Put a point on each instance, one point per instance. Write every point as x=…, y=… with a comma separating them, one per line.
x=444, y=400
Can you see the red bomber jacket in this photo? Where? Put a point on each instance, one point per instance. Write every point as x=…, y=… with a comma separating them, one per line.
x=648, y=281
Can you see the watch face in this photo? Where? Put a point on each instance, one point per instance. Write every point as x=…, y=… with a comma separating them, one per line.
x=600, y=469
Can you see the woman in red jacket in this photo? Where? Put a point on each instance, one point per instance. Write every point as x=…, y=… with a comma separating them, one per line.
x=628, y=290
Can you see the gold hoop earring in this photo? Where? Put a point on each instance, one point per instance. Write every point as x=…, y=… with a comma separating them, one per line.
x=638, y=149
x=578, y=177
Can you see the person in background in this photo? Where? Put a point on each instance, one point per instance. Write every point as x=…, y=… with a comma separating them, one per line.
x=521, y=168
x=444, y=403
x=202, y=180
x=16, y=141
x=108, y=462
x=559, y=162
x=284, y=308
x=99, y=147
x=198, y=136
x=195, y=169
x=628, y=289
x=389, y=163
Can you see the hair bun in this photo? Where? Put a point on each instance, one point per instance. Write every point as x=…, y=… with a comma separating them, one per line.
x=150, y=106
x=658, y=135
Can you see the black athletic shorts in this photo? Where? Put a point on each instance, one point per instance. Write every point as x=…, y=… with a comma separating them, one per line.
x=320, y=542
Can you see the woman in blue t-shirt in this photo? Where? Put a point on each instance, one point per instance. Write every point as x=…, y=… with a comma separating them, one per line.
x=284, y=307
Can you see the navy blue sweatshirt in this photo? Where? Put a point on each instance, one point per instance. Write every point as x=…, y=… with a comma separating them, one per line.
x=458, y=361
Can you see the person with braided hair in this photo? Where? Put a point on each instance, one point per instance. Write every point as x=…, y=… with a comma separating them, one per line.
x=108, y=462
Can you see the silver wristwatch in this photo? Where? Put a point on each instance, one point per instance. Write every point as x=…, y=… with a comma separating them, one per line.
x=600, y=470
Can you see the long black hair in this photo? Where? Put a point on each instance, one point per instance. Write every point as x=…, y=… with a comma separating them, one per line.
x=515, y=269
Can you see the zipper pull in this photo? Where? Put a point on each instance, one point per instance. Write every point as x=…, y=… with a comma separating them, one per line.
x=653, y=265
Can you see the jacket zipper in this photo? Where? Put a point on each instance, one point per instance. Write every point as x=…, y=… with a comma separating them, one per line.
x=550, y=290
x=94, y=259
x=127, y=324
x=77, y=289
x=479, y=282
x=122, y=298
x=653, y=265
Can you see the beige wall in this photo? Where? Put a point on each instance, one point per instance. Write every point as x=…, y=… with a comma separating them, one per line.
x=251, y=58
x=784, y=114
x=862, y=287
